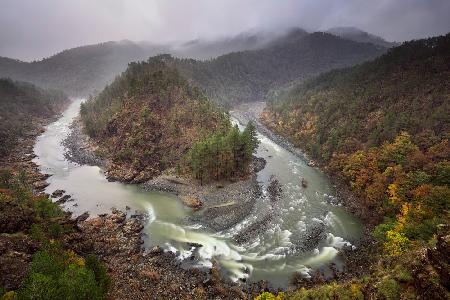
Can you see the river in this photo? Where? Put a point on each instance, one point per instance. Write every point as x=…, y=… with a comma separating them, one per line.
x=305, y=233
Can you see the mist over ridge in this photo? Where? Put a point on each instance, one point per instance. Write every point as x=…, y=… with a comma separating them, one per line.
x=31, y=30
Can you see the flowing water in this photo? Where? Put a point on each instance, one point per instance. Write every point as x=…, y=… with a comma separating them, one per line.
x=305, y=231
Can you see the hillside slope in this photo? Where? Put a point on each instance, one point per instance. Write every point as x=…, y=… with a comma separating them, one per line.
x=405, y=89
x=383, y=128
x=79, y=71
x=148, y=118
x=249, y=75
x=21, y=105
x=357, y=35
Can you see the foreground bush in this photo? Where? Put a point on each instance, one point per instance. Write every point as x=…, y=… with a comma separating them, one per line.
x=59, y=274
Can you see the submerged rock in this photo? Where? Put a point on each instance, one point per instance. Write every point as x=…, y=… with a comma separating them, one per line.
x=58, y=193
x=63, y=199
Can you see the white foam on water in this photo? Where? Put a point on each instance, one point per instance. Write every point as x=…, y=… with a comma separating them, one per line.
x=238, y=270
x=211, y=247
x=337, y=241
x=194, y=226
x=326, y=255
x=268, y=256
x=265, y=140
x=301, y=225
x=317, y=220
x=150, y=212
x=252, y=243
x=300, y=268
x=185, y=253
x=170, y=248
x=229, y=233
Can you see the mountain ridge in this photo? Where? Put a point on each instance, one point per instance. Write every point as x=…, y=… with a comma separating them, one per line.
x=85, y=70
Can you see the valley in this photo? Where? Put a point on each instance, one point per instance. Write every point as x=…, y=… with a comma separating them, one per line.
x=298, y=165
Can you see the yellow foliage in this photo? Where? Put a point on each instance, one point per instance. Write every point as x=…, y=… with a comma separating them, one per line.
x=403, y=215
x=270, y=296
x=73, y=258
x=356, y=291
x=396, y=243
x=392, y=191
x=9, y=295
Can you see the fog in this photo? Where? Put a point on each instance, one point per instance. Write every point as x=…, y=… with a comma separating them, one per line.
x=31, y=29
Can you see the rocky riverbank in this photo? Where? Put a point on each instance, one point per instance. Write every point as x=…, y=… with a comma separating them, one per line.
x=153, y=273
x=222, y=205
x=79, y=147
x=20, y=158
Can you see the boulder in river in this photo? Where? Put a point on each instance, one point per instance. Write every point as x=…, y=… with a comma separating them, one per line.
x=40, y=185
x=63, y=199
x=58, y=193
x=192, y=202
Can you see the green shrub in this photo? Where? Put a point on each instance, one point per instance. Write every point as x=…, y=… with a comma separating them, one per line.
x=270, y=296
x=58, y=274
x=46, y=209
x=5, y=178
x=389, y=289
x=331, y=291
x=99, y=270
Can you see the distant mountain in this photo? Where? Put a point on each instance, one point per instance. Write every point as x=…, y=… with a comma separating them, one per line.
x=256, y=64
x=79, y=71
x=207, y=49
x=21, y=104
x=357, y=35
x=83, y=70
x=249, y=75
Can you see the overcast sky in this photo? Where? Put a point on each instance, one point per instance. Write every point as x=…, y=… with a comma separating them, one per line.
x=33, y=29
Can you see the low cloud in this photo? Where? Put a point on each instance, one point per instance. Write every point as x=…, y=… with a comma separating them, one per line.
x=31, y=29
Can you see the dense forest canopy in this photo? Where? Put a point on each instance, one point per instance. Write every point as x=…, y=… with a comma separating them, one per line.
x=20, y=104
x=383, y=127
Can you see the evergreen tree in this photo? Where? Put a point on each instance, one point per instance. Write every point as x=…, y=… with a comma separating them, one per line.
x=223, y=155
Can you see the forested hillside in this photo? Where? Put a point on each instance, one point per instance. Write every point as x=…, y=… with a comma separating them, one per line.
x=266, y=63
x=383, y=127
x=79, y=71
x=148, y=118
x=21, y=104
x=250, y=75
